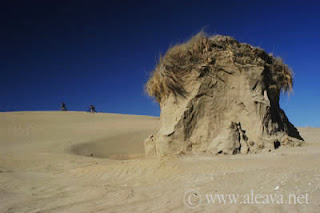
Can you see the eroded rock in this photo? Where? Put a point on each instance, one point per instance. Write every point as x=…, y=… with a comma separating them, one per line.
x=220, y=96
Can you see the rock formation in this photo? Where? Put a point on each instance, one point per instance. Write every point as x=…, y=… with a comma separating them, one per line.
x=220, y=96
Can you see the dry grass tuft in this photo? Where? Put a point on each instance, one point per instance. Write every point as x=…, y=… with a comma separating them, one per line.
x=202, y=51
x=179, y=59
x=282, y=75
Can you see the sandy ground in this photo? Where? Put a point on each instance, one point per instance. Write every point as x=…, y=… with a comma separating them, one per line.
x=79, y=162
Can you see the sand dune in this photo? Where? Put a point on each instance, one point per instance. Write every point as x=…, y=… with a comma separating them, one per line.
x=80, y=162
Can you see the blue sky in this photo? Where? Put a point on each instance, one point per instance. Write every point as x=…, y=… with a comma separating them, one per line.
x=101, y=52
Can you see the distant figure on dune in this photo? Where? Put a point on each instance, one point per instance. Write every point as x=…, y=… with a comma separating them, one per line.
x=63, y=107
x=92, y=109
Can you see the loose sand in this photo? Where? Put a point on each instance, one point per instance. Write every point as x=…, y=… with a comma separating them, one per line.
x=80, y=162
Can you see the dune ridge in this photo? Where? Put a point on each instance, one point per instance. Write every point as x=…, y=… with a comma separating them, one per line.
x=46, y=166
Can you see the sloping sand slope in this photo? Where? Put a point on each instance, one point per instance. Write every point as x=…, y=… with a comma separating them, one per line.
x=78, y=162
